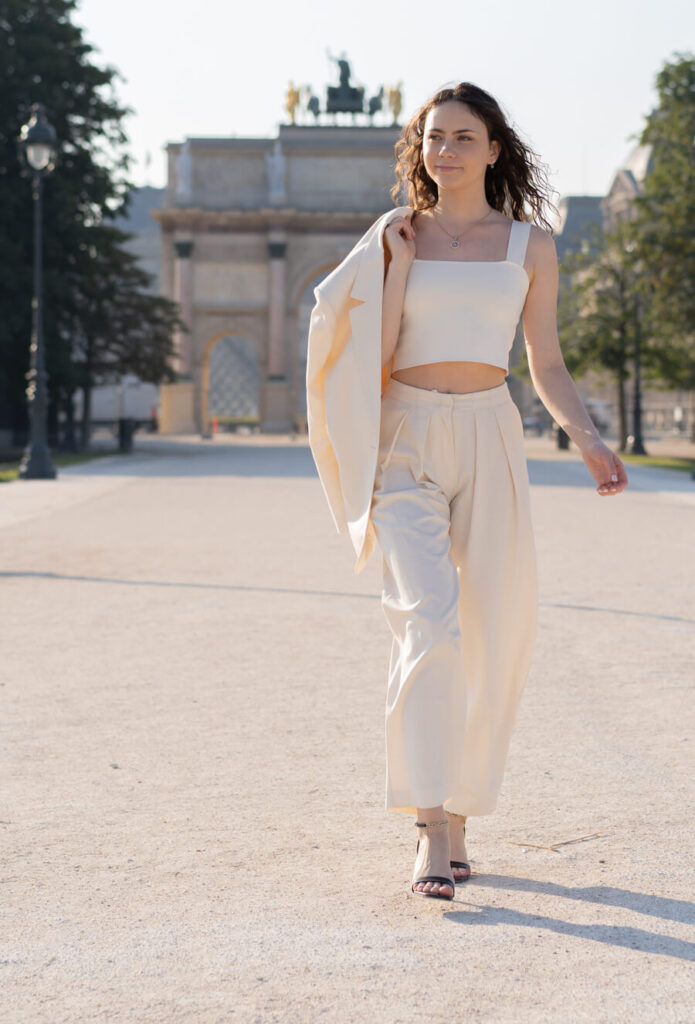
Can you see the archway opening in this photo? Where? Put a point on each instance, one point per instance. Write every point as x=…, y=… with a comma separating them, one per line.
x=232, y=383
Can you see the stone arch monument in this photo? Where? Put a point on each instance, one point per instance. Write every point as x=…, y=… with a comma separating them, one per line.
x=248, y=225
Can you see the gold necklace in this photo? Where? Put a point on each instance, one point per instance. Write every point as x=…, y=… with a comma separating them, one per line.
x=456, y=243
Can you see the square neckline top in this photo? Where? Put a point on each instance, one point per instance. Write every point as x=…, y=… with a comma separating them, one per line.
x=448, y=316
x=510, y=239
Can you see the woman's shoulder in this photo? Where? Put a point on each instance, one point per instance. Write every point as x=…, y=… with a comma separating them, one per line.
x=536, y=231
x=542, y=241
x=541, y=254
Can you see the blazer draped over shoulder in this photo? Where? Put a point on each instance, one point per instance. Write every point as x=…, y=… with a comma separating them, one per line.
x=345, y=383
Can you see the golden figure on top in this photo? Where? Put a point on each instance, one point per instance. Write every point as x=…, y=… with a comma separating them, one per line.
x=291, y=100
x=395, y=99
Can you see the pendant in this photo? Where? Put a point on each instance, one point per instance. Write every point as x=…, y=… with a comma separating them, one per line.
x=455, y=244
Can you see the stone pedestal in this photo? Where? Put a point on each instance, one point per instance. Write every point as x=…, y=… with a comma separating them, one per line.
x=275, y=406
x=176, y=414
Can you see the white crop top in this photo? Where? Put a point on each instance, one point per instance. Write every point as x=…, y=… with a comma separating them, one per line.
x=464, y=309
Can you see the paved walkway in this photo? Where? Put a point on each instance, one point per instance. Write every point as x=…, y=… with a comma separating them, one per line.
x=192, y=817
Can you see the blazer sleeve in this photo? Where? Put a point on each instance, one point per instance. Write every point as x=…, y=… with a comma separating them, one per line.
x=321, y=335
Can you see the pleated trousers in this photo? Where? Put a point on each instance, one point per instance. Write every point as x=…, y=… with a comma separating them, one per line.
x=451, y=512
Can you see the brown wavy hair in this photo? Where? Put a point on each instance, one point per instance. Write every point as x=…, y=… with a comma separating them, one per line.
x=516, y=181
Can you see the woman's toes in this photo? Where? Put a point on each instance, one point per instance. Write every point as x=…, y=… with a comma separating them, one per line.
x=441, y=889
x=435, y=887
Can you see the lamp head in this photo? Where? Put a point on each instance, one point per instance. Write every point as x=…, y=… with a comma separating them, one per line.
x=37, y=140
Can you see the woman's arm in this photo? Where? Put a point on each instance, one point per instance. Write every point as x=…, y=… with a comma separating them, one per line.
x=551, y=378
x=395, y=280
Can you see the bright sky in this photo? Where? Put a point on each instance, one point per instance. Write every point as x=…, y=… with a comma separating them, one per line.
x=576, y=80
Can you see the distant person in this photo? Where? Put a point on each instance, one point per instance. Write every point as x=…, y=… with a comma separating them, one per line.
x=441, y=284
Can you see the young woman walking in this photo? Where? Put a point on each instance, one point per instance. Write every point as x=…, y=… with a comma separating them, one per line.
x=450, y=505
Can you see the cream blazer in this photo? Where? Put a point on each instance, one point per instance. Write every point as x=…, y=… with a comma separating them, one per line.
x=345, y=382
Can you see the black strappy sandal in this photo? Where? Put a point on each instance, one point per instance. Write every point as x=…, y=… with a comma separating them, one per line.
x=460, y=863
x=433, y=878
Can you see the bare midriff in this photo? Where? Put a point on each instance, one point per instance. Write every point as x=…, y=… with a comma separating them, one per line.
x=458, y=377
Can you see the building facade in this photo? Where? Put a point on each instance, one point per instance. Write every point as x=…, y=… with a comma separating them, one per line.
x=249, y=227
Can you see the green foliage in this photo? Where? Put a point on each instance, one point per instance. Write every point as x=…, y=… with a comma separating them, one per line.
x=44, y=59
x=663, y=228
x=594, y=308
x=118, y=326
x=635, y=285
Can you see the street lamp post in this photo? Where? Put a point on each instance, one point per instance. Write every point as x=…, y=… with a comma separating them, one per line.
x=37, y=145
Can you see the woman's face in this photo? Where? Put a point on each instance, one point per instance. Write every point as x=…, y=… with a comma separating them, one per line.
x=455, y=146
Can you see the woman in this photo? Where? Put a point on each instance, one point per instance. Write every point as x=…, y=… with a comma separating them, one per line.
x=451, y=505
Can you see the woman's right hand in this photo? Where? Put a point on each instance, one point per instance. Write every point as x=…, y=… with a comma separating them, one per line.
x=399, y=238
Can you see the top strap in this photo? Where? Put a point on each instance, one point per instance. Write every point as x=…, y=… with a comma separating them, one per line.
x=518, y=240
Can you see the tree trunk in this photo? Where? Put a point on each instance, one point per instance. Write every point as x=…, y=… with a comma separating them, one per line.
x=52, y=432
x=563, y=438
x=86, y=425
x=622, y=414
x=69, y=442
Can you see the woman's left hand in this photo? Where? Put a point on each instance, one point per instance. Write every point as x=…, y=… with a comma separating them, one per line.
x=605, y=467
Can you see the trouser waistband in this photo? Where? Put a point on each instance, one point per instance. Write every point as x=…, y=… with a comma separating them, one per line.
x=426, y=396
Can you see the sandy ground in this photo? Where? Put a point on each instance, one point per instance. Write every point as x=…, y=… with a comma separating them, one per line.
x=192, y=819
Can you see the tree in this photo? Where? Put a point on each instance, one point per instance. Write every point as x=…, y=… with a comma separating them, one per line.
x=597, y=315
x=44, y=59
x=119, y=327
x=662, y=228
x=635, y=286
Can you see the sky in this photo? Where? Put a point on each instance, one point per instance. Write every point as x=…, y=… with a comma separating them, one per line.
x=575, y=80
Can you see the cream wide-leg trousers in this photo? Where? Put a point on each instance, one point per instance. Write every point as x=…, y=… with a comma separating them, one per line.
x=451, y=511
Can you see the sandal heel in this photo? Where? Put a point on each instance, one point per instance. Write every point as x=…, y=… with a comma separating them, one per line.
x=460, y=863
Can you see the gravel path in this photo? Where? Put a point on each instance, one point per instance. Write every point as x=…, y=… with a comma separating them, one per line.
x=192, y=819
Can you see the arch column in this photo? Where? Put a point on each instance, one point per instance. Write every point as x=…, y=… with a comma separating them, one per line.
x=183, y=294
x=178, y=399
x=274, y=396
x=189, y=387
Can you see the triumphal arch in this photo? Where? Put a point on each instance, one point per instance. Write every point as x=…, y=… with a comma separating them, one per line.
x=249, y=227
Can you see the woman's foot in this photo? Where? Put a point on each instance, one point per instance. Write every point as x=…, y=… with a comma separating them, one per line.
x=432, y=858
x=457, y=846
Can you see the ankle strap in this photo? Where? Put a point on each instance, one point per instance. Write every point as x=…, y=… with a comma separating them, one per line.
x=431, y=824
